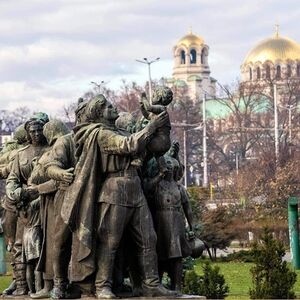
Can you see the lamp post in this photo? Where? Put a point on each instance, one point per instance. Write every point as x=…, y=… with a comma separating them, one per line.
x=149, y=62
x=205, y=179
x=185, y=127
x=276, y=125
x=289, y=108
x=98, y=86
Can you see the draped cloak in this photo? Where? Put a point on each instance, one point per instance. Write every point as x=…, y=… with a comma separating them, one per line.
x=79, y=205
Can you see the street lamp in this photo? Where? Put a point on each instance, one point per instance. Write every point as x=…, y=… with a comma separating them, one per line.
x=276, y=125
x=149, y=62
x=98, y=86
x=205, y=178
x=289, y=108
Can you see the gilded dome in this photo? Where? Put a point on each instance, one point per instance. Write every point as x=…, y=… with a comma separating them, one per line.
x=191, y=40
x=273, y=49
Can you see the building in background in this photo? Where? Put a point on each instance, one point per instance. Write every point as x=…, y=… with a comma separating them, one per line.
x=191, y=68
x=275, y=59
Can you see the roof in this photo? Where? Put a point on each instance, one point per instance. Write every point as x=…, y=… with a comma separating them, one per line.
x=274, y=49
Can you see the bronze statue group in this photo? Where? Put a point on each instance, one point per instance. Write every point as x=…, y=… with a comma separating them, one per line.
x=86, y=209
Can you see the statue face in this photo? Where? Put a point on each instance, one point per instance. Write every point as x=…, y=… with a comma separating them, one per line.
x=36, y=134
x=110, y=113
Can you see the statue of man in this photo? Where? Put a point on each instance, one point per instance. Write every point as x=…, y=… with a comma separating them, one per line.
x=10, y=216
x=116, y=193
x=60, y=168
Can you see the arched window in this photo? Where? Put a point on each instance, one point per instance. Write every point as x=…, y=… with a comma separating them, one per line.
x=298, y=70
x=250, y=74
x=193, y=56
x=268, y=72
x=288, y=71
x=258, y=73
x=203, y=56
x=278, y=72
x=182, y=57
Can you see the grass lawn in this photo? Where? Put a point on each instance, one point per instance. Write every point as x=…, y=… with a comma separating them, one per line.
x=4, y=282
x=238, y=277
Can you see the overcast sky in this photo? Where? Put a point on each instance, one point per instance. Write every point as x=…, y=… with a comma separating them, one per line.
x=50, y=50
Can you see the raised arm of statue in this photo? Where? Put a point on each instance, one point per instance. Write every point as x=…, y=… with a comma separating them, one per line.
x=112, y=142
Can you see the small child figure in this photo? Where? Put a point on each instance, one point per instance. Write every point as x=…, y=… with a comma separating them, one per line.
x=32, y=243
x=169, y=201
x=161, y=142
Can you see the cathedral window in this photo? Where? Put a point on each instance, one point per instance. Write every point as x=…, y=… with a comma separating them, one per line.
x=258, y=73
x=182, y=57
x=193, y=56
x=203, y=56
x=268, y=72
x=288, y=71
x=278, y=72
x=250, y=74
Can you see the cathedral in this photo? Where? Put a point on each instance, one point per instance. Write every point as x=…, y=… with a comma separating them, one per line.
x=276, y=57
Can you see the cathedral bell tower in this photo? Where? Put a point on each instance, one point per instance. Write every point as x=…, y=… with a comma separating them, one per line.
x=191, y=69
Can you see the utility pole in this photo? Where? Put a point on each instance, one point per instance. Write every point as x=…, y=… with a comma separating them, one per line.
x=205, y=179
x=290, y=124
x=184, y=158
x=276, y=125
x=185, y=126
x=237, y=163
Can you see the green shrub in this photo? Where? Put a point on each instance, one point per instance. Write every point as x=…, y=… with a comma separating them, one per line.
x=239, y=256
x=211, y=284
x=271, y=277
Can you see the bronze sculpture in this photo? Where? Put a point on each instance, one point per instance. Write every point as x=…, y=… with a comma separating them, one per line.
x=20, y=195
x=60, y=168
x=168, y=199
x=161, y=141
x=87, y=186
x=47, y=188
x=120, y=203
x=10, y=216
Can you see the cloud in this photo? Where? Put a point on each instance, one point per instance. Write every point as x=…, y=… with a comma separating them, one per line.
x=51, y=50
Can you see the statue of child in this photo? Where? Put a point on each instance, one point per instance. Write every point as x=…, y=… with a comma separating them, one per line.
x=169, y=201
x=161, y=142
x=32, y=244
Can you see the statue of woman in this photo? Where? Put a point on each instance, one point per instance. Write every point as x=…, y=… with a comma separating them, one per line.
x=19, y=193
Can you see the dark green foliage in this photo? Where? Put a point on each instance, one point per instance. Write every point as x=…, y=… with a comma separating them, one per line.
x=198, y=198
x=188, y=263
x=211, y=284
x=218, y=230
x=239, y=256
x=271, y=277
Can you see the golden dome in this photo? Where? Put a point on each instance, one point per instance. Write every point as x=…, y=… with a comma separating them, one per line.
x=273, y=49
x=191, y=40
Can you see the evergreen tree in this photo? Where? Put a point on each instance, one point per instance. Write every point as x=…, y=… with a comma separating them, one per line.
x=211, y=284
x=271, y=277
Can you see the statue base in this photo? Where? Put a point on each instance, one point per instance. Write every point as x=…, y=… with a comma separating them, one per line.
x=142, y=298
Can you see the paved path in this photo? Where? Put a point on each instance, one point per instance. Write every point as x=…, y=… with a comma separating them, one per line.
x=287, y=256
